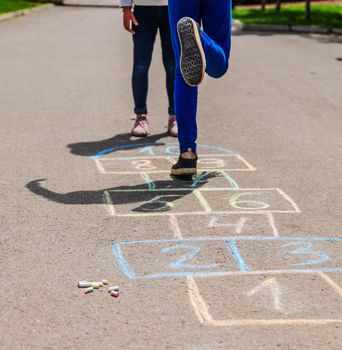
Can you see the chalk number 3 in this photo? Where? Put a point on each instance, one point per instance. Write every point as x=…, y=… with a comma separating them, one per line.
x=305, y=248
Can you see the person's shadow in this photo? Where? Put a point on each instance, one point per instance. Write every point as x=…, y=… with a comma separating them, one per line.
x=128, y=194
x=113, y=144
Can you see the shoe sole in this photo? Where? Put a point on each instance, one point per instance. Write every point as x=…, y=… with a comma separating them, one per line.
x=188, y=171
x=192, y=62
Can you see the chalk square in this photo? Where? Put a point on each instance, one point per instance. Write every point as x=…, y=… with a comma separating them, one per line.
x=154, y=259
x=141, y=202
x=131, y=165
x=264, y=300
x=281, y=254
x=249, y=200
x=225, y=225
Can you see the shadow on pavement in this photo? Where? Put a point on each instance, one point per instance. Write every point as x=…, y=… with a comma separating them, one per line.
x=126, y=194
x=91, y=148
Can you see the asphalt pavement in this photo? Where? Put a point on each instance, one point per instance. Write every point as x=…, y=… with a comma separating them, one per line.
x=246, y=257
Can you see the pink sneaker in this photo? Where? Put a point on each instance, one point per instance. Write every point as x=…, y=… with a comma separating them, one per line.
x=140, y=128
x=172, y=128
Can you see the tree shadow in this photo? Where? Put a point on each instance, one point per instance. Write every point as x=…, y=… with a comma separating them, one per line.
x=113, y=144
x=142, y=193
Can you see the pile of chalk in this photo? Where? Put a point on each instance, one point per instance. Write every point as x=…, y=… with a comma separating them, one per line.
x=91, y=286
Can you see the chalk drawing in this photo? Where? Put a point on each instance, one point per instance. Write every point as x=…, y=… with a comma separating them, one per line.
x=192, y=258
x=238, y=226
x=273, y=285
x=151, y=184
x=108, y=203
x=305, y=248
x=238, y=223
x=161, y=164
x=331, y=282
x=231, y=197
x=271, y=220
x=232, y=246
x=161, y=147
x=238, y=202
x=175, y=227
x=162, y=269
x=180, y=263
x=204, y=316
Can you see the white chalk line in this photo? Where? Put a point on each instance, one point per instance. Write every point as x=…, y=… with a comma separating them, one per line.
x=175, y=227
x=208, y=213
x=272, y=223
x=198, y=303
x=274, y=322
x=331, y=282
x=202, y=200
x=287, y=197
x=108, y=204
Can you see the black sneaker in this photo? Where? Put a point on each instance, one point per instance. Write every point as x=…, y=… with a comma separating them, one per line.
x=185, y=166
x=192, y=61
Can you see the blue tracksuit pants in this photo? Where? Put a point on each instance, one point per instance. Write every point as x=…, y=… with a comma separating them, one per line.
x=215, y=17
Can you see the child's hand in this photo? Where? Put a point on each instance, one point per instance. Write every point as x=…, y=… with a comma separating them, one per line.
x=128, y=19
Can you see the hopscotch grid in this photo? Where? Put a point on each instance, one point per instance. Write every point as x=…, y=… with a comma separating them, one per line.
x=199, y=305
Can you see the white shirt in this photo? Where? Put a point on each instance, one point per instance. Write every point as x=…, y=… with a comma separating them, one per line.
x=144, y=2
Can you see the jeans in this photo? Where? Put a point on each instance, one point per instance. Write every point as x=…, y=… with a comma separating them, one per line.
x=215, y=16
x=150, y=18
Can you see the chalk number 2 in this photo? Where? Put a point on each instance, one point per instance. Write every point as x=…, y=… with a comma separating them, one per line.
x=181, y=262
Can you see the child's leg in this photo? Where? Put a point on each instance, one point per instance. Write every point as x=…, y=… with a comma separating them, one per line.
x=143, y=48
x=216, y=35
x=185, y=95
x=168, y=55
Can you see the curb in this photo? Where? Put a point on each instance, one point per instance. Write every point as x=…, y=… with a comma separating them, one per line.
x=240, y=26
x=19, y=13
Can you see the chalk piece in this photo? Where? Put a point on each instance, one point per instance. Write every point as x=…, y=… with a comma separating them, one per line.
x=95, y=286
x=115, y=288
x=100, y=284
x=84, y=284
x=114, y=293
x=105, y=282
x=89, y=290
